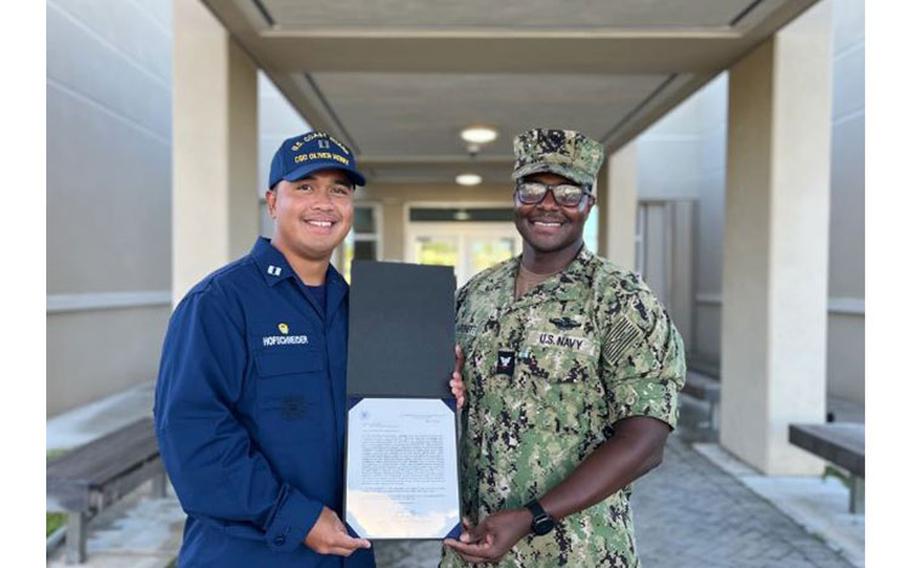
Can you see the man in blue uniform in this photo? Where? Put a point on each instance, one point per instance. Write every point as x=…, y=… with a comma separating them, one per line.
x=250, y=401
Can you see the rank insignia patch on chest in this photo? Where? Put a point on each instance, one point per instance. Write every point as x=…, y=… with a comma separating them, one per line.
x=505, y=363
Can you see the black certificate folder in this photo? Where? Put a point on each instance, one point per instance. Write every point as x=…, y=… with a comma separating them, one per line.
x=401, y=470
x=401, y=336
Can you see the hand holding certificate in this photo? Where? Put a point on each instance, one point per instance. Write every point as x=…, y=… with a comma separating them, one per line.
x=401, y=459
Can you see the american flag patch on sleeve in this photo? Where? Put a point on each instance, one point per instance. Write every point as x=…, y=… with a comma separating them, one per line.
x=623, y=333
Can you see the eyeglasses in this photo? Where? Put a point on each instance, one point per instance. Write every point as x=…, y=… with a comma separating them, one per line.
x=565, y=194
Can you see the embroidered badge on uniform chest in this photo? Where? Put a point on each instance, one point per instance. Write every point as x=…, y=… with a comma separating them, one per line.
x=548, y=339
x=284, y=338
x=505, y=363
x=565, y=323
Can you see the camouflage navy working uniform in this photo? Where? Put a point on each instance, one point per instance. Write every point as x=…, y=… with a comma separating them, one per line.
x=547, y=375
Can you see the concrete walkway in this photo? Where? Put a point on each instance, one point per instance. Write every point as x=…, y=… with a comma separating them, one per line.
x=819, y=506
x=701, y=508
x=690, y=513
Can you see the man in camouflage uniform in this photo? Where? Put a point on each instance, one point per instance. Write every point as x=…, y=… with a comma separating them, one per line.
x=572, y=369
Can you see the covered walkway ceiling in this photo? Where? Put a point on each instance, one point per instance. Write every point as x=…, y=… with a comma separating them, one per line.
x=399, y=79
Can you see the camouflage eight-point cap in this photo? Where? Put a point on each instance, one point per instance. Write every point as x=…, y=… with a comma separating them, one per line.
x=547, y=377
x=564, y=152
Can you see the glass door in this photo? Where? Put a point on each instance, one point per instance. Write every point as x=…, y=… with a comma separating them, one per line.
x=467, y=247
x=436, y=249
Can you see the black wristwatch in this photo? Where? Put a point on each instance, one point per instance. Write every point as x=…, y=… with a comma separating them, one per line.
x=543, y=522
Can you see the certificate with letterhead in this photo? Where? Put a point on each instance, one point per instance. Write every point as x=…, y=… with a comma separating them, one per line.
x=401, y=461
x=401, y=476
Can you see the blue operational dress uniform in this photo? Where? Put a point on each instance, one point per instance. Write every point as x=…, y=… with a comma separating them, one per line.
x=250, y=413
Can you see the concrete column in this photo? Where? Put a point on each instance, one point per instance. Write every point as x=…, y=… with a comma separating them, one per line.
x=617, y=198
x=393, y=225
x=215, y=205
x=775, y=268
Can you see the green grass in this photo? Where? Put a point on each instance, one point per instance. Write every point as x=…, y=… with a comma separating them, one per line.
x=54, y=520
x=837, y=473
x=54, y=454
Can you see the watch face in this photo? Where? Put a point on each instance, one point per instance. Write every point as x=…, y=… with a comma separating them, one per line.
x=543, y=525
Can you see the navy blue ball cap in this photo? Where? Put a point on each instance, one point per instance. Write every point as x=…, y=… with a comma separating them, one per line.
x=302, y=155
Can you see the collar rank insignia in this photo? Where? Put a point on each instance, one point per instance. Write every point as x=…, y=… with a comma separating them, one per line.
x=505, y=363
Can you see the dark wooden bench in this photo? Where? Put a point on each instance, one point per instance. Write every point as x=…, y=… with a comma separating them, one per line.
x=704, y=388
x=842, y=444
x=90, y=478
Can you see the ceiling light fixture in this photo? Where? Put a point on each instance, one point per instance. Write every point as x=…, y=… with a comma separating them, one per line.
x=479, y=134
x=468, y=179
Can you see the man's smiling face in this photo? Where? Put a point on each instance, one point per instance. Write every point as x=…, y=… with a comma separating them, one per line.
x=312, y=215
x=548, y=226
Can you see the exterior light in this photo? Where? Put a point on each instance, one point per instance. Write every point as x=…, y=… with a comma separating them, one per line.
x=468, y=179
x=479, y=134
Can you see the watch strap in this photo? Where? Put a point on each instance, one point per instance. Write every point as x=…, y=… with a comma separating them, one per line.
x=536, y=510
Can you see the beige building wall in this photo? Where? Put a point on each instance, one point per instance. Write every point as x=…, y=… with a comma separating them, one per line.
x=622, y=192
x=776, y=247
x=215, y=214
x=709, y=221
x=682, y=158
x=108, y=196
x=846, y=276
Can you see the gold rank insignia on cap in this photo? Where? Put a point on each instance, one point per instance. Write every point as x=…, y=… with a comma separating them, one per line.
x=283, y=328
